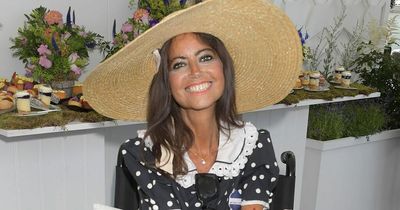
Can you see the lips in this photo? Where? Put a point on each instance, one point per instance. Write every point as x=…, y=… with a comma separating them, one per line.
x=198, y=87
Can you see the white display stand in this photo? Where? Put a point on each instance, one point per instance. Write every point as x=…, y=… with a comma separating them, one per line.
x=72, y=167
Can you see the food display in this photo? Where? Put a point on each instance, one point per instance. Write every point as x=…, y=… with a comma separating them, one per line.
x=314, y=80
x=78, y=103
x=77, y=89
x=346, y=79
x=75, y=101
x=23, y=102
x=24, y=97
x=305, y=79
x=60, y=94
x=338, y=74
x=6, y=101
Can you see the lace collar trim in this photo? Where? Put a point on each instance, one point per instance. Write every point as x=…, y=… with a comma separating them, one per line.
x=231, y=158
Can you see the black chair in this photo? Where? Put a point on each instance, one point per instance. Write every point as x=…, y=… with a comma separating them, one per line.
x=127, y=197
x=126, y=194
x=283, y=198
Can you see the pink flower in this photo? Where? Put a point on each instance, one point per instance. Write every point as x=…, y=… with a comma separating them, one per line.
x=43, y=50
x=125, y=37
x=66, y=35
x=73, y=57
x=30, y=66
x=140, y=13
x=24, y=40
x=46, y=63
x=82, y=33
x=53, y=17
x=126, y=27
x=76, y=69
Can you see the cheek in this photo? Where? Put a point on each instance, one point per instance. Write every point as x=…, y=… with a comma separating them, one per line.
x=175, y=83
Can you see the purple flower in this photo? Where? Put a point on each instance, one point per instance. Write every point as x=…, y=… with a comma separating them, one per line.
x=127, y=27
x=43, y=50
x=28, y=73
x=166, y=2
x=153, y=22
x=69, y=24
x=29, y=69
x=76, y=69
x=46, y=63
x=303, y=39
x=73, y=57
x=182, y=2
x=30, y=66
x=114, y=31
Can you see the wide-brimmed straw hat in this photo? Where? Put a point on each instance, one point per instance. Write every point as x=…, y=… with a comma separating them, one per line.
x=261, y=39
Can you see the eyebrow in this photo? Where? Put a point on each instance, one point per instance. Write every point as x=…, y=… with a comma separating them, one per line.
x=197, y=53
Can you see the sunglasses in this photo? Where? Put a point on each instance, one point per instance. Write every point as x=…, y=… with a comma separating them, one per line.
x=207, y=188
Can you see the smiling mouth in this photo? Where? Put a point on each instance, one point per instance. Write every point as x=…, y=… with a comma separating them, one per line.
x=198, y=88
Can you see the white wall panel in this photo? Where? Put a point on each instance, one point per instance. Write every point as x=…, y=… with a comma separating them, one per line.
x=51, y=172
x=288, y=128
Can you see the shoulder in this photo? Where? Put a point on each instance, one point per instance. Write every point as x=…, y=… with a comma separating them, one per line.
x=138, y=148
x=237, y=148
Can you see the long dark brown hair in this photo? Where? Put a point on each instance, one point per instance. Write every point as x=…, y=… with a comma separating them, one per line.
x=166, y=127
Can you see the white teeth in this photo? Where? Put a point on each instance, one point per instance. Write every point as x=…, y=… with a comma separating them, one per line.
x=198, y=88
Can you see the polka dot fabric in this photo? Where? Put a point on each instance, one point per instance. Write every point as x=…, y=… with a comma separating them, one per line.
x=260, y=174
x=253, y=184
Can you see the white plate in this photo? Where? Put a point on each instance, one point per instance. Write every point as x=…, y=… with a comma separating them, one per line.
x=346, y=88
x=335, y=82
x=36, y=104
x=320, y=89
x=33, y=113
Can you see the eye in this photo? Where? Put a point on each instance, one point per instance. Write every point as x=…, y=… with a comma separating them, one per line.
x=178, y=65
x=205, y=58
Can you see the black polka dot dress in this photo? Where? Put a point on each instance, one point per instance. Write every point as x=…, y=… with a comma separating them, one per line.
x=245, y=166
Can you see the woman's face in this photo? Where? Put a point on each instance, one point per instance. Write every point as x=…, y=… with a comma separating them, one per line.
x=195, y=73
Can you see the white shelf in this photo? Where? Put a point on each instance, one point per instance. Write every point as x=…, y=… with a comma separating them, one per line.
x=73, y=126
x=76, y=126
x=309, y=102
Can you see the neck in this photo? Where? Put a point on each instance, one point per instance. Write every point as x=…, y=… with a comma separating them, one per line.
x=205, y=130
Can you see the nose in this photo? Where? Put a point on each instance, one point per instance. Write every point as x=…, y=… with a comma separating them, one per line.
x=194, y=68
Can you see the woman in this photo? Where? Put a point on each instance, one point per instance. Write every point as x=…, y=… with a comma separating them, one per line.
x=196, y=152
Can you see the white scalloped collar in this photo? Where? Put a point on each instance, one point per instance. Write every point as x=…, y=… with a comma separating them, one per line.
x=231, y=157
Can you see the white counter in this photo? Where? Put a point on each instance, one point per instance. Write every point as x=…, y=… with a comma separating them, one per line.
x=72, y=167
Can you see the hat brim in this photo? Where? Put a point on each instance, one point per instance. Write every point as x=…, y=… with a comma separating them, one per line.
x=261, y=39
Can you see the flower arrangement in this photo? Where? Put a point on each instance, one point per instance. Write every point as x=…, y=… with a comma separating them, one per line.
x=311, y=56
x=307, y=56
x=147, y=14
x=51, y=49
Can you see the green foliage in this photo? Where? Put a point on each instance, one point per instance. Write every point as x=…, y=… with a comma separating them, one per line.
x=9, y=121
x=51, y=49
x=159, y=9
x=382, y=71
x=331, y=36
x=362, y=120
x=339, y=120
x=299, y=95
x=147, y=14
x=324, y=124
x=349, y=53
